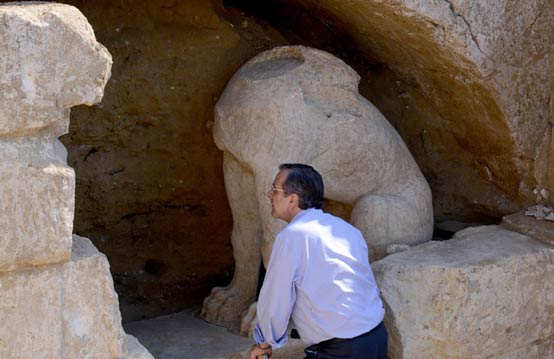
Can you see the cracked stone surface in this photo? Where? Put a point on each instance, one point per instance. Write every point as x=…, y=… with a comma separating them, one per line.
x=456, y=14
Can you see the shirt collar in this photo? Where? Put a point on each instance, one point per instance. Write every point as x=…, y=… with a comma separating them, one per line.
x=302, y=213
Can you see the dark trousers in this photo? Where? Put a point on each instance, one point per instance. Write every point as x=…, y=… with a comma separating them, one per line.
x=371, y=345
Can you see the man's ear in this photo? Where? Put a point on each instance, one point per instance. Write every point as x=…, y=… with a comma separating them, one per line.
x=293, y=198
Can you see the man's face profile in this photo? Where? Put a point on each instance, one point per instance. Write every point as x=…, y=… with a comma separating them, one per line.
x=279, y=202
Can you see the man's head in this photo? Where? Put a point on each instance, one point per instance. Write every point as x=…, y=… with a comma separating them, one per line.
x=296, y=187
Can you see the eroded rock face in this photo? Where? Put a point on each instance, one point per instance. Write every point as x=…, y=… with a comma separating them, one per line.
x=296, y=104
x=487, y=293
x=469, y=92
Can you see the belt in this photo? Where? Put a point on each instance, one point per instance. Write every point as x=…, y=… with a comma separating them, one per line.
x=340, y=340
x=312, y=350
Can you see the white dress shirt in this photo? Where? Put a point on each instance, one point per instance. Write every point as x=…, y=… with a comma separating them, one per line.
x=319, y=274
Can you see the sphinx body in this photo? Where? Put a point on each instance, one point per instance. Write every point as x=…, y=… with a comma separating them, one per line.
x=301, y=105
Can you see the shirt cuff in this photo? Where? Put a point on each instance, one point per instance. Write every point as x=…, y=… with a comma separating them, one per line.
x=258, y=336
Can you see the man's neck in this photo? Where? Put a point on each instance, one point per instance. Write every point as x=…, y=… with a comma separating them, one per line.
x=293, y=213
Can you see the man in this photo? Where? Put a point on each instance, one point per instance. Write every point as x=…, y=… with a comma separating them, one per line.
x=319, y=274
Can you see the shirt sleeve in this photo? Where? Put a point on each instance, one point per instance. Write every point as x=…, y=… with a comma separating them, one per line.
x=277, y=295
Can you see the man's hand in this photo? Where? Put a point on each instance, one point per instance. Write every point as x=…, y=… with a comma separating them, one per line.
x=260, y=349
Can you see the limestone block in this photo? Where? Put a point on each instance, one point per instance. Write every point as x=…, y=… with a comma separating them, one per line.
x=30, y=313
x=530, y=226
x=62, y=311
x=135, y=350
x=50, y=62
x=36, y=203
x=90, y=312
x=486, y=293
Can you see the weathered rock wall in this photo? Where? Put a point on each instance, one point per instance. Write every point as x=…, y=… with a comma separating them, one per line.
x=150, y=190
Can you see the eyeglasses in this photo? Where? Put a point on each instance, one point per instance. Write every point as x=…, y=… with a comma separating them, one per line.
x=274, y=189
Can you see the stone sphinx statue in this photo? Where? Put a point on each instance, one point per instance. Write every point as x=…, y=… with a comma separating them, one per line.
x=297, y=104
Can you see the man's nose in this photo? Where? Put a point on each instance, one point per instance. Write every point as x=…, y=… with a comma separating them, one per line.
x=269, y=193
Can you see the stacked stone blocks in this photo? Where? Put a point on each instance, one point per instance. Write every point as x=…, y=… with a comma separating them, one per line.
x=57, y=299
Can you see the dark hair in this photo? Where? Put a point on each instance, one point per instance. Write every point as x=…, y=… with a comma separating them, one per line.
x=305, y=182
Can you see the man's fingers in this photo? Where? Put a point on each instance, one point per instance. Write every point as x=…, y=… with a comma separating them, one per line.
x=258, y=353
